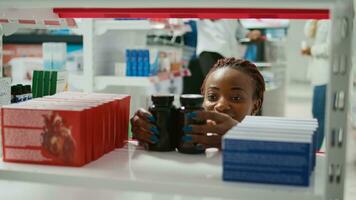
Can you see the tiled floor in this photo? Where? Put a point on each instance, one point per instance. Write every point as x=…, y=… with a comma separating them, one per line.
x=298, y=104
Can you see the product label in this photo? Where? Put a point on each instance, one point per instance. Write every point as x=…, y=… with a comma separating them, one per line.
x=56, y=133
x=29, y=137
x=14, y=154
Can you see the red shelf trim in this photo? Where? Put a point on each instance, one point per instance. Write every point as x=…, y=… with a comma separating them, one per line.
x=211, y=13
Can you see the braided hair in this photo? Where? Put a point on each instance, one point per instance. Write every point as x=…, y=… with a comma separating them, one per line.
x=244, y=66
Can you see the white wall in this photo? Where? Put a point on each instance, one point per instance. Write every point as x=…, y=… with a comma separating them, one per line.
x=297, y=64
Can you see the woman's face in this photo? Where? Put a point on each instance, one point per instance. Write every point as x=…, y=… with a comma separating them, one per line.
x=231, y=92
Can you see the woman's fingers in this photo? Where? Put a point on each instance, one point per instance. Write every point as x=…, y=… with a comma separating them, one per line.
x=209, y=115
x=144, y=136
x=141, y=123
x=218, y=123
x=144, y=114
x=207, y=128
x=143, y=128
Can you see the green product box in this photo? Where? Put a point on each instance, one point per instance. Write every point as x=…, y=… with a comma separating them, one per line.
x=40, y=84
x=46, y=86
x=34, y=83
x=37, y=84
x=53, y=83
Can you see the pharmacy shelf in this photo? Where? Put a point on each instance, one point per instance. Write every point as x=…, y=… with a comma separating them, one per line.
x=104, y=81
x=76, y=79
x=264, y=23
x=340, y=12
x=135, y=170
x=102, y=26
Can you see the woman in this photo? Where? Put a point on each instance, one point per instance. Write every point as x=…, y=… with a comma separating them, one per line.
x=319, y=32
x=232, y=89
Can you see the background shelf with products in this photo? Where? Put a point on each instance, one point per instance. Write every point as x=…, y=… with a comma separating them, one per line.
x=106, y=62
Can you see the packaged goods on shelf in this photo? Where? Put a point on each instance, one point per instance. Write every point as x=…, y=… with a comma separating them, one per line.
x=152, y=61
x=69, y=128
x=270, y=150
x=137, y=62
x=20, y=93
x=121, y=105
x=48, y=82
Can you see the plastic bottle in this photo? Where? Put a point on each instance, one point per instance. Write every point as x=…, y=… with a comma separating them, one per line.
x=164, y=113
x=189, y=103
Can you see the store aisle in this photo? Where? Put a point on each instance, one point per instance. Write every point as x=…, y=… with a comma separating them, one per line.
x=299, y=101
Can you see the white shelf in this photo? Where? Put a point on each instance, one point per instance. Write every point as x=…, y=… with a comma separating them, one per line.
x=170, y=173
x=265, y=23
x=104, y=81
x=102, y=26
x=76, y=79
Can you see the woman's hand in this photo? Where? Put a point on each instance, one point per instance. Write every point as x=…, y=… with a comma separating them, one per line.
x=209, y=134
x=143, y=127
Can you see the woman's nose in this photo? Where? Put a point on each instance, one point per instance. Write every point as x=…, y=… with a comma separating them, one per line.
x=222, y=105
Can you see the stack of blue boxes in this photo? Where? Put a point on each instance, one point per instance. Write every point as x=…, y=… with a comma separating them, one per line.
x=137, y=62
x=270, y=150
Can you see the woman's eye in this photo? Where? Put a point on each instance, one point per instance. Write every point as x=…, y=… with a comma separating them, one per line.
x=236, y=98
x=212, y=97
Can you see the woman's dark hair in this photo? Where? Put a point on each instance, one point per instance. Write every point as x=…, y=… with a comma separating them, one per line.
x=244, y=66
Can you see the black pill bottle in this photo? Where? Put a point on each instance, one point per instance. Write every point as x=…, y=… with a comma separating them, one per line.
x=164, y=113
x=189, y=103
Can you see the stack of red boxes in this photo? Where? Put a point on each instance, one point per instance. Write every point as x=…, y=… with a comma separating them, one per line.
x=69, y=128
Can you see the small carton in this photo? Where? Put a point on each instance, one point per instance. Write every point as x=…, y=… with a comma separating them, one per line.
x=104, y=120
x=99, y=125
x=90, y=112
x=43, y=134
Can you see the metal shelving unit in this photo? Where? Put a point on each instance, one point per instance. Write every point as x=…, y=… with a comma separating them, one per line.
x=341, y=13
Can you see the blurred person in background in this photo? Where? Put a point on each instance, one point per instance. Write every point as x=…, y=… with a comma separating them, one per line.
x=215, y=39
x=317, y=48
x=219, y=39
